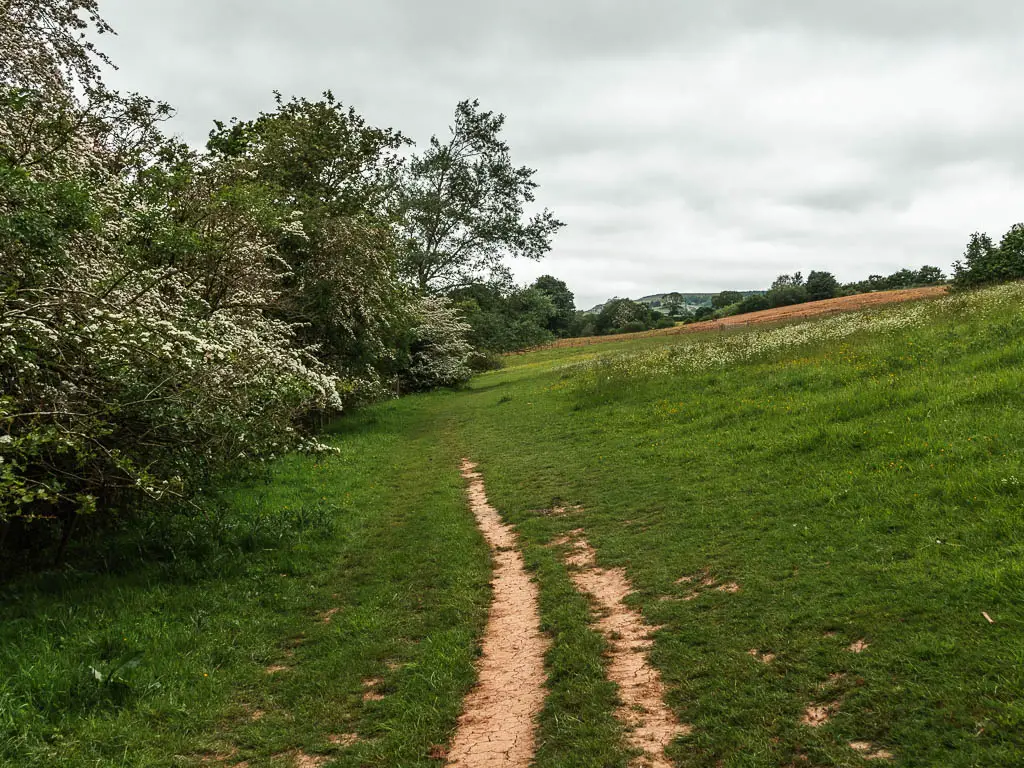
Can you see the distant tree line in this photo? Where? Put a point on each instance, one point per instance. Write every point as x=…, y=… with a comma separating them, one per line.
x=627, y=316
x=985, y=263
x=787, y=290
x=619, y=315
x=504, y=317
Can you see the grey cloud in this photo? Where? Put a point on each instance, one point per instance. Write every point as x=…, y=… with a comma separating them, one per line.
x=594, y=27
x=688, y=145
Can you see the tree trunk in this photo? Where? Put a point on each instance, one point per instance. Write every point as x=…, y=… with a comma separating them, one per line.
x=68, y=527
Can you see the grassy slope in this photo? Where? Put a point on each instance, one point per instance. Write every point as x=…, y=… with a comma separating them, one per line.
x=380, y=533
x=865, y=487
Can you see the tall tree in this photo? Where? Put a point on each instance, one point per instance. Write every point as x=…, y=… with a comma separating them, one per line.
x=928, y=275
x=504, y=319
x=335, y=180
x=787, y=289
x=979, y=260
x=562, y=299
x=624, y=315
x=1011, y=254
x=821, y=285
x=465, y=206
x=725, y=299
x=674, y=304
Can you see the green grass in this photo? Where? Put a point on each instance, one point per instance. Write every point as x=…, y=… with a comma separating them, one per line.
x=378, y=532
x=868, y=485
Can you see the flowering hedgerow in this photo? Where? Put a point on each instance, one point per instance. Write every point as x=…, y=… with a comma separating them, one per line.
x=144, y=343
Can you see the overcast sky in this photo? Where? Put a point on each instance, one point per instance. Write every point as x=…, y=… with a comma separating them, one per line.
x=690, y=146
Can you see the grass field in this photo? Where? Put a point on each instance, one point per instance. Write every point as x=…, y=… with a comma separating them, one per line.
x=785, y=314
x=858, y=478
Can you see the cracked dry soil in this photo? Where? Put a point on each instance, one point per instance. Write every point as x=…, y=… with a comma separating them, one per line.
x=650, y=724
x=496, y=728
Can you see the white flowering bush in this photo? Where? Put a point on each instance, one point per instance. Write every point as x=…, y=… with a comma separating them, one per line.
x=332, y=178
x=143, y=346
x=440, y=353
x=167, y=314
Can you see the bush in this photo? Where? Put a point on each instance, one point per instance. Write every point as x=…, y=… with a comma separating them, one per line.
x=984, y=263
x=504, y=318
x=755, y=303
x=479, y=362
x=123, y=378
x=440, y=356
x=725, y=299
x=903, y=278
x=167, y=316
x=821, y=285
x=787, y=290
x=633, y=326
x=619, y=314
x=930, y=276
x=788, y=295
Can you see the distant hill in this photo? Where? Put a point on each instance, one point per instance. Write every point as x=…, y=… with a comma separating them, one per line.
x=689, y=300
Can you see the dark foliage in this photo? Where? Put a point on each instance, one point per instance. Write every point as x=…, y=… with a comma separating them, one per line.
x=984, y=263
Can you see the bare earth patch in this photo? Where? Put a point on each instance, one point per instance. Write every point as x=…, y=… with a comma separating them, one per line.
x=273, y=669
x=762, y=656
x=302, y=760
x=869, y=751
x=817, y=715
x=326, y=616
x=833, y=680
x=859, y=646
x=704, y=581
x=560, y=511
x=566, y=539
x=651, y=724
x=370, y=692
x=343, y=739
x=496, y=727
x=219, y=758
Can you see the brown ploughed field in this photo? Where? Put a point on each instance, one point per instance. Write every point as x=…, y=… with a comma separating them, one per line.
x=777, y=315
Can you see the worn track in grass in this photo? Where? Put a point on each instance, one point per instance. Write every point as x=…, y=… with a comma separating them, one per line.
x=651, y=725
x=496, y=728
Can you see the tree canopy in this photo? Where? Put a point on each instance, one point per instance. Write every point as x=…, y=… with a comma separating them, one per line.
x=821, y=285
x=168, y=315
x=562, y=300
x=464, y=207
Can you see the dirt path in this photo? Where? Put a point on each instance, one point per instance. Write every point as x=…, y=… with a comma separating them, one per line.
x=651, y=725
x=496, y=728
